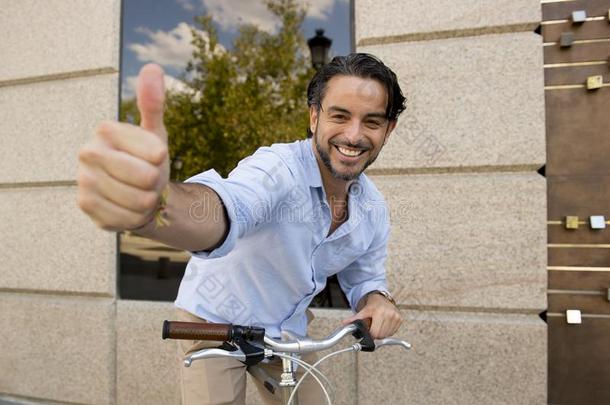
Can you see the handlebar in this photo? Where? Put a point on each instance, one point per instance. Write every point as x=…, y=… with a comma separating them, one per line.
x=251, y=344
x=303, y=344
x=241, y=356
x=291, y=344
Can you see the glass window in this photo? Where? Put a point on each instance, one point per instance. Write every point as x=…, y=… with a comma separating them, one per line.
x=163, y=33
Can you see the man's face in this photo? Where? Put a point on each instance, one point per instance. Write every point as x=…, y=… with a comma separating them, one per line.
x=351, y=127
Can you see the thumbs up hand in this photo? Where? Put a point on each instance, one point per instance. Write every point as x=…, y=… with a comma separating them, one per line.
x=124, y=168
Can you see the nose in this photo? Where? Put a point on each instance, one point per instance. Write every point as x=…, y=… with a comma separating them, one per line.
x=353, y=133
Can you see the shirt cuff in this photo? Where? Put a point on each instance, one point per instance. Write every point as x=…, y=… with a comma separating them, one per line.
x=359, y=292
x=213, y=180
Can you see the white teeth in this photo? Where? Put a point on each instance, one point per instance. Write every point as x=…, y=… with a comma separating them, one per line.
x=349, y=152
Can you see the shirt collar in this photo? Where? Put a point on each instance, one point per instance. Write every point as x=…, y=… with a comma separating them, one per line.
x=313, y=170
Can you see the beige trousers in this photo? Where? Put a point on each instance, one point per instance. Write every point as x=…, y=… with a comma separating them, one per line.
x=223, y=381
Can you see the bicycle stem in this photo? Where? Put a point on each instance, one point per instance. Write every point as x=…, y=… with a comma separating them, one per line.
x=288, y=380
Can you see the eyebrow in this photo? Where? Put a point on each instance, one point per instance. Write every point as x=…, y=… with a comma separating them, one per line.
x=334, y=108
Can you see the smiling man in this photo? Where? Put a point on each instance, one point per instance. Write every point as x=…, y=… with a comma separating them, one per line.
x=264, y=239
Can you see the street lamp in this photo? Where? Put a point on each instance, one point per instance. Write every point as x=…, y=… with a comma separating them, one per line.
x=319, y=47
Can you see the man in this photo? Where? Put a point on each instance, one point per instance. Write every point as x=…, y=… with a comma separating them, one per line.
x=265, y=239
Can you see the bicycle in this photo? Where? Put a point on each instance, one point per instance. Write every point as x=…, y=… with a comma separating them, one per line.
x=250, y=345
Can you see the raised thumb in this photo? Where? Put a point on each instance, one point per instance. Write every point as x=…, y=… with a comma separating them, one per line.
x=150, y=94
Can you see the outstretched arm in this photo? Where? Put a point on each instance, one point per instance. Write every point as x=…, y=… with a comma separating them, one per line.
x=123, y=179
x=194, y=219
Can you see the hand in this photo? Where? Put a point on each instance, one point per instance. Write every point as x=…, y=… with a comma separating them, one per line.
x=385, y=317
x=124, y=169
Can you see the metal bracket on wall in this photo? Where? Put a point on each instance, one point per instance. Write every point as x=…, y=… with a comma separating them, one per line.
x=597, y=222
x=573, y=316
x=574, y=222
x=566, y=39
x=595, y=82
x=579, y=16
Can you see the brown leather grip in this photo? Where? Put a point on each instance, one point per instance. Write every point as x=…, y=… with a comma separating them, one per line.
x=196, y=331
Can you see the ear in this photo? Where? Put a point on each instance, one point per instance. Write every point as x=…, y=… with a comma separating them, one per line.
x=391, y=127
x=313, y=118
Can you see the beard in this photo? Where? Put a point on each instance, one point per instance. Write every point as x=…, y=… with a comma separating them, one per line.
x=325, y=157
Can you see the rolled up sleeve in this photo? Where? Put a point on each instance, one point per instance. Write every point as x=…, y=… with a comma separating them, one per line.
x=249, y=194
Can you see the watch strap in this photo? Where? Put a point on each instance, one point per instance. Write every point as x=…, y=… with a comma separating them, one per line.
x=386, y=294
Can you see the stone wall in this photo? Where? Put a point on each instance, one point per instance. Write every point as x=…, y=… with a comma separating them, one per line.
x=58, y=78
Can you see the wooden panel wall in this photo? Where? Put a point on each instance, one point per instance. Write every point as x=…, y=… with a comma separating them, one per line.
x=578, y=176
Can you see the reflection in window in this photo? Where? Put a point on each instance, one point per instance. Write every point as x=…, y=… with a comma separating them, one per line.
x=236, y=77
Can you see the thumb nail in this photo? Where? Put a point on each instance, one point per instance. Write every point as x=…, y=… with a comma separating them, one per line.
x=150, y=94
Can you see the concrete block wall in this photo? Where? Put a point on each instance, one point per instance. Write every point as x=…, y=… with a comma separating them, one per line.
x=468, y=246
x=58, y=79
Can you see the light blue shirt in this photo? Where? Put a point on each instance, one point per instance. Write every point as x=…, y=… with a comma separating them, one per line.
x=277, y=255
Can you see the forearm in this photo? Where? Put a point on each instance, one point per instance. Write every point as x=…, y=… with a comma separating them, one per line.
x=196, y=219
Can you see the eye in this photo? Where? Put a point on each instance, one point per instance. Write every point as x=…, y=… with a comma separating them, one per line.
x=339, y=117
x=373, y=124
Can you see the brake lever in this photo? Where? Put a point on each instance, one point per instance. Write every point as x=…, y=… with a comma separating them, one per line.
x=210, y=353
x=392, y=342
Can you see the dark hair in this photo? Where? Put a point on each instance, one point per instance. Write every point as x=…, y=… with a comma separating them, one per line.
x=362, y=65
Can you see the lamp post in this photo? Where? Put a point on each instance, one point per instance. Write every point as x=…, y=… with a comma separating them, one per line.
x=319, y=47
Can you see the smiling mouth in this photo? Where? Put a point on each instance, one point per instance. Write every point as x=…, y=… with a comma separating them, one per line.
x=348, y=151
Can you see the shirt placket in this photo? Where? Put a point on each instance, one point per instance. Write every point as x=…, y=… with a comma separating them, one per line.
x=320, y=235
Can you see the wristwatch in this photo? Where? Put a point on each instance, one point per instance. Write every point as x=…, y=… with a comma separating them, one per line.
x=386, y=294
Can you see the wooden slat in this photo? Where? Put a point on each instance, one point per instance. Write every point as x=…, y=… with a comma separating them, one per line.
x=579, y=361
x=578, y=236
x=595, y=51
x=580, y=257
x=588, y=30
x=577, y=128
x=587, y=304
x=578, y=196
x=563, y=10
x=557, y=76
x=578, y=280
